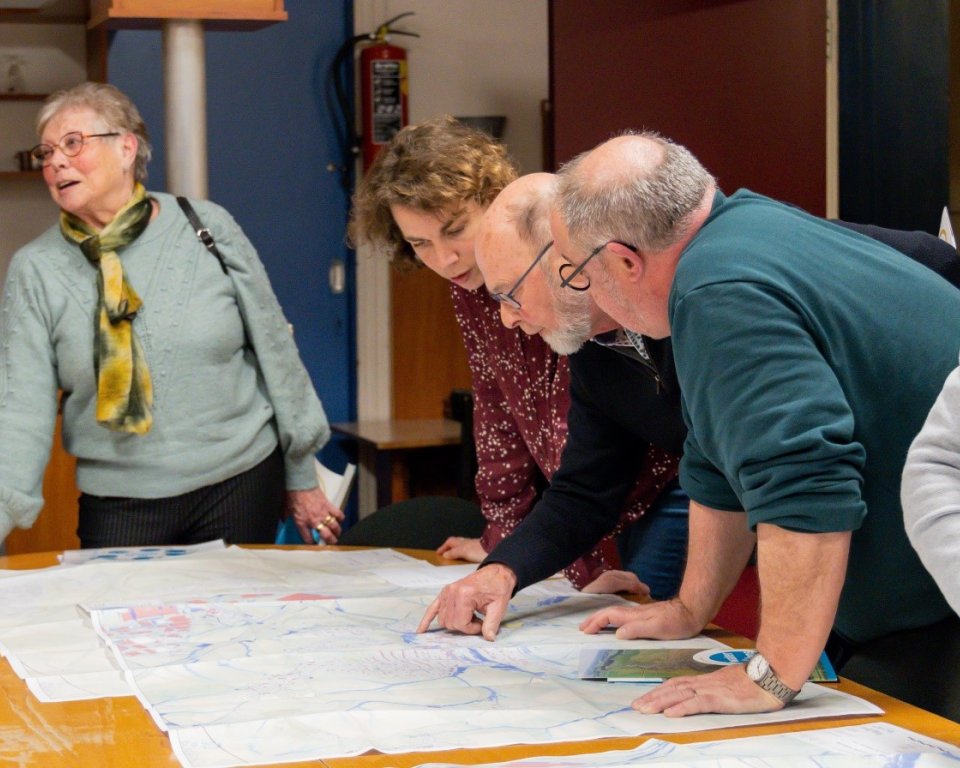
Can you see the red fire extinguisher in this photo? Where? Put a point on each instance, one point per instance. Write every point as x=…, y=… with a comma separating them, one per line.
x=383, y=90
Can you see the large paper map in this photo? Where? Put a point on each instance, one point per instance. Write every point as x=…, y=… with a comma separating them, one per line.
x=248, y=657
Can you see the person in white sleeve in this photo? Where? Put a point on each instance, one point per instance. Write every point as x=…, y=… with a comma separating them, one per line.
x=930, y=492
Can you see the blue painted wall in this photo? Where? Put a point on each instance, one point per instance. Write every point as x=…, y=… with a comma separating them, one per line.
x=270, y=140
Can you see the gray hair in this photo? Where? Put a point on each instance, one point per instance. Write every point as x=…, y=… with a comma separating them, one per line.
x=112, y=106
x=649, y=207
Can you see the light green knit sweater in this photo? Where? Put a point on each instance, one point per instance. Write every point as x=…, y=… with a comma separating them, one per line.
x=220, y=407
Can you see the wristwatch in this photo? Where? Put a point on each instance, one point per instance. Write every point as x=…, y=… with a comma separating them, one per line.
x=760, y=671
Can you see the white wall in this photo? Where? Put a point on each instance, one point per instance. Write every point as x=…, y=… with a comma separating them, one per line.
x=480, y=58
x=473, y=57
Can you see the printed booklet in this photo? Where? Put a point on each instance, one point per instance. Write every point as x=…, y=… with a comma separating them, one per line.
x=654, y=665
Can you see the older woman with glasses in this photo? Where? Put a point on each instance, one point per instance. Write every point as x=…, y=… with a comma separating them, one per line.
x=420, y=204
x=183, y=395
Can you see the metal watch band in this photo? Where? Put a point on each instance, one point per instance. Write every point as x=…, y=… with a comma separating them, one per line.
x=771, y=683
x=777, y=687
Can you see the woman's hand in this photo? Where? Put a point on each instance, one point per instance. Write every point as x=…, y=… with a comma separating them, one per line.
x=611, y=582
x=312, y=511
x=459, y=548
x=665, y=620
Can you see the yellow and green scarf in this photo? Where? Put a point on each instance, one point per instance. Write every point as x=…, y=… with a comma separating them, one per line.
x=124, y=389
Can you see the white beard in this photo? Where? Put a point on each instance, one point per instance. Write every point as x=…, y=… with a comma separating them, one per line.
x=573, y=311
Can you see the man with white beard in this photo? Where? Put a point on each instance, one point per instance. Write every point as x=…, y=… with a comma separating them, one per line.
x=620, y=408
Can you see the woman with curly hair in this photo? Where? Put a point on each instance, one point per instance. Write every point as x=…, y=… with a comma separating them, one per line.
x=421, y=204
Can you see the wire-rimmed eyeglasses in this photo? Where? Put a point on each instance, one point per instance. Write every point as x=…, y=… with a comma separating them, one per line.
x=507, y=298
x=576, y=280
x=71, y=144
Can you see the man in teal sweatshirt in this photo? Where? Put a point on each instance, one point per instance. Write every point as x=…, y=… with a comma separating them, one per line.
x=808, y=357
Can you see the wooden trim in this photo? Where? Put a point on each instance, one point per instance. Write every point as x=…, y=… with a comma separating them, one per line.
x=833, y=112
x=97, y=50
x=219, y=14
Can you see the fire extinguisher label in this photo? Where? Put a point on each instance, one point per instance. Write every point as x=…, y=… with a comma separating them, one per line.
x=387, y=99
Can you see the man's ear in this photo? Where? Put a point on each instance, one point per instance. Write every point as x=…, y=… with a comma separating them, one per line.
x=628, y=261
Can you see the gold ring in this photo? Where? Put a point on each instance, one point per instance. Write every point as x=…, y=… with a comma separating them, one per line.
x=328, y=519
x=321, y=526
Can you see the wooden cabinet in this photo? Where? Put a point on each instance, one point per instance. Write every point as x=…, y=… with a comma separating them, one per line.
x=56, y=527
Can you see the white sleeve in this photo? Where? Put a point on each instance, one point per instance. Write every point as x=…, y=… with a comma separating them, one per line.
x=930, y=492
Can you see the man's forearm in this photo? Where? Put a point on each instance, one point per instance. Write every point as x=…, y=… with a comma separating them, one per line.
x=801, y=575
x=719, y=547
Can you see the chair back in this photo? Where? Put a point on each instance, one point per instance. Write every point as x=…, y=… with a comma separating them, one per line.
x=424, y=522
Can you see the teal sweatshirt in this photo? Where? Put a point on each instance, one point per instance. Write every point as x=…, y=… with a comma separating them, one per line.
x=808, y=357
x=220, y=406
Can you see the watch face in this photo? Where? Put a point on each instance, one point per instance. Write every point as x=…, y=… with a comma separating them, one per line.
x=757, y=667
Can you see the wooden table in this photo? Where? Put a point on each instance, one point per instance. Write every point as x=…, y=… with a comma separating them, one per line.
x=118, y=732
x=381, y=450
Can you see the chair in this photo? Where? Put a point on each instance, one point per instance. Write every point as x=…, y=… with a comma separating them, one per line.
x=460, y=408
x=423, y=522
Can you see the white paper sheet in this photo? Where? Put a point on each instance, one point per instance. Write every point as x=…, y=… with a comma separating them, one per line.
x=127, y=554
x=231, y=682
x=45, y=608
x=879, y=745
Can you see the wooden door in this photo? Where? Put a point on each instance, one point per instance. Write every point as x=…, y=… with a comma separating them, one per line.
x=429, y=358
x=741, y=83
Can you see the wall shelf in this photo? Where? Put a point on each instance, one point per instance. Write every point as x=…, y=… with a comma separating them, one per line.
x=50, y=12
x=23, y=96
x=216, y=14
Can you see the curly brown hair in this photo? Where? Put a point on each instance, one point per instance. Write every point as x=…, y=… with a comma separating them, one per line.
x=429, y=167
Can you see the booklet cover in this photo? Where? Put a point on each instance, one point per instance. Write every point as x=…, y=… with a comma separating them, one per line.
x=654, y=665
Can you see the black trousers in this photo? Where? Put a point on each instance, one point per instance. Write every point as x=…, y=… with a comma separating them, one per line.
x=243, y=509
x=920, y=666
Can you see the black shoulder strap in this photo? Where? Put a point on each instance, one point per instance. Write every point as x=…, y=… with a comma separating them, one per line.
x=202, y=232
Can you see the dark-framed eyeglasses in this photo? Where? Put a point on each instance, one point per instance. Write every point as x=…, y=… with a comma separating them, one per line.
x=507, y=298
x=572, y=277
x=71, y=144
